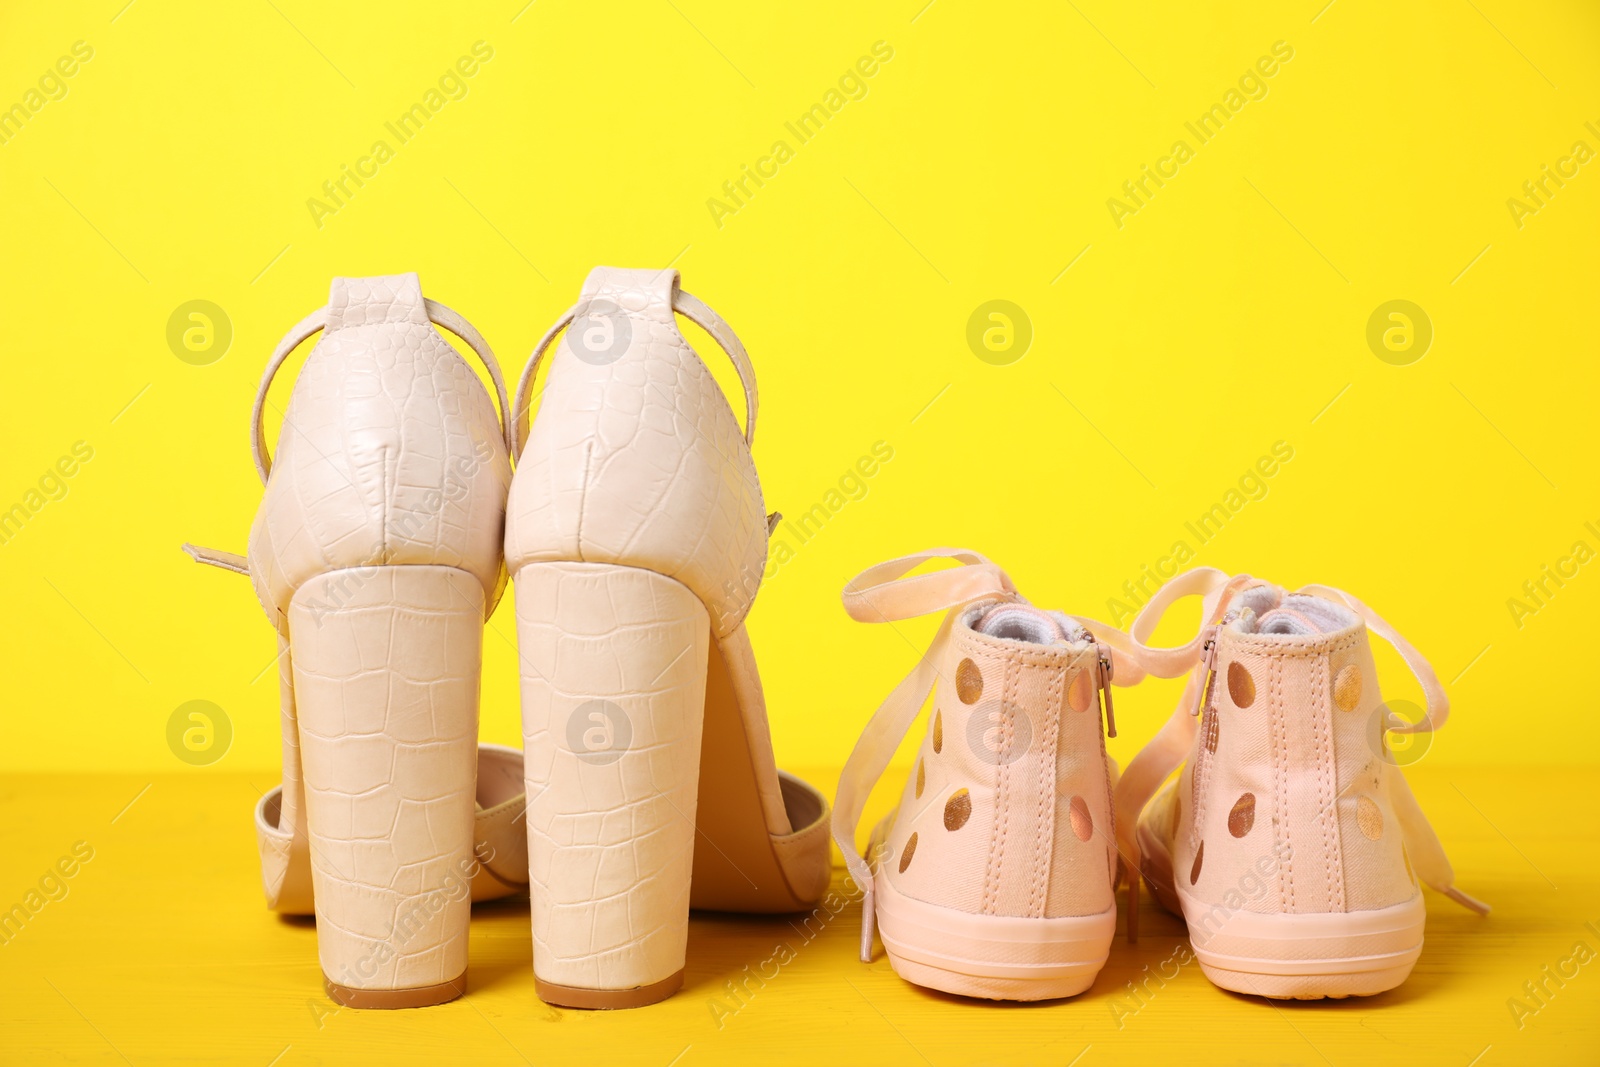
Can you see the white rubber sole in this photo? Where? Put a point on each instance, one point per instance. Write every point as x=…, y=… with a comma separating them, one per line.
x=1306, y=957
x=1292, y=956
x=996, y=957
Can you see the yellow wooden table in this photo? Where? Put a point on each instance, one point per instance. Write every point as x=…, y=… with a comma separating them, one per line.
x=158, y=949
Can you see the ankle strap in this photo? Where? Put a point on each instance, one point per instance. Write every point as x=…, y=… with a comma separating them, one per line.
x=684, y=304
x=317, y=320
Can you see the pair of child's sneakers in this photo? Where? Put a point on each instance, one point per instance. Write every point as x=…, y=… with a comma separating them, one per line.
x=1289, y=843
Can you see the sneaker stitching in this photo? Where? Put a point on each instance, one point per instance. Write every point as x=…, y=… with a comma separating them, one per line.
x=1319, y=724
x=1049, y=760
x=1280, y=778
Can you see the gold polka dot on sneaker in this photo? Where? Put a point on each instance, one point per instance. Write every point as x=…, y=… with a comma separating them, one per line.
x=1241, y=687
x=1194, y=872
x=1347, y=688
x=1079, y=691
x=957, y=810
x=938, y=730
x=922, y=776
x=969, y=682
x=1243, y=815
x=1369, y=817
x=1082, y=821
x=907, y=852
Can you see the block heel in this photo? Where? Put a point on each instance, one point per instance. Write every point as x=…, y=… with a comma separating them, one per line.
x=387, y=663
x=613, y=695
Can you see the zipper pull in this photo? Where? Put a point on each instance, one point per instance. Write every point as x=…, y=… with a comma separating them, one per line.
x=1208, y=659
x=1107, y=666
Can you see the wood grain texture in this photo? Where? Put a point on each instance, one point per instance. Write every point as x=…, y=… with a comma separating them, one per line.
x=161, y=950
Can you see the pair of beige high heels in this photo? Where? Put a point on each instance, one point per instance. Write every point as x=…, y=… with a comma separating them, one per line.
x=635, y=534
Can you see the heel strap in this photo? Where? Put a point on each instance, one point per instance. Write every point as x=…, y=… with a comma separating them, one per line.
x=691, y=308
x=333, y=318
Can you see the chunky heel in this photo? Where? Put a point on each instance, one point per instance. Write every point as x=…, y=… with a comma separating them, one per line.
x=613, y=701
x=387, y=662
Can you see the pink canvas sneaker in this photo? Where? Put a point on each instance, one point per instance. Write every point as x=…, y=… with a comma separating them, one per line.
x=996, y=875
x=1290, y=843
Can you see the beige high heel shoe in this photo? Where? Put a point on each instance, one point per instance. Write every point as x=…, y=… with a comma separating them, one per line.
x=636, y=537
x=376, y=554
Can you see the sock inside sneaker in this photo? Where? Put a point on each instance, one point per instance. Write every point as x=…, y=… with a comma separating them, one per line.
x=1023, y=622
x=1301, y=614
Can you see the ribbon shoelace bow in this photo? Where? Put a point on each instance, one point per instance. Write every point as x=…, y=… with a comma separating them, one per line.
x=883, y=594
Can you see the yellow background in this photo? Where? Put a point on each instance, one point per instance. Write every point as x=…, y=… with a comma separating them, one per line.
x=1168, y=354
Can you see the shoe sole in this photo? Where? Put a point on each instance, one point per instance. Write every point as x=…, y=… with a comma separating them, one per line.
x=564, y=996
x=1309, y=956
x=419, y=997
x=993, y=957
